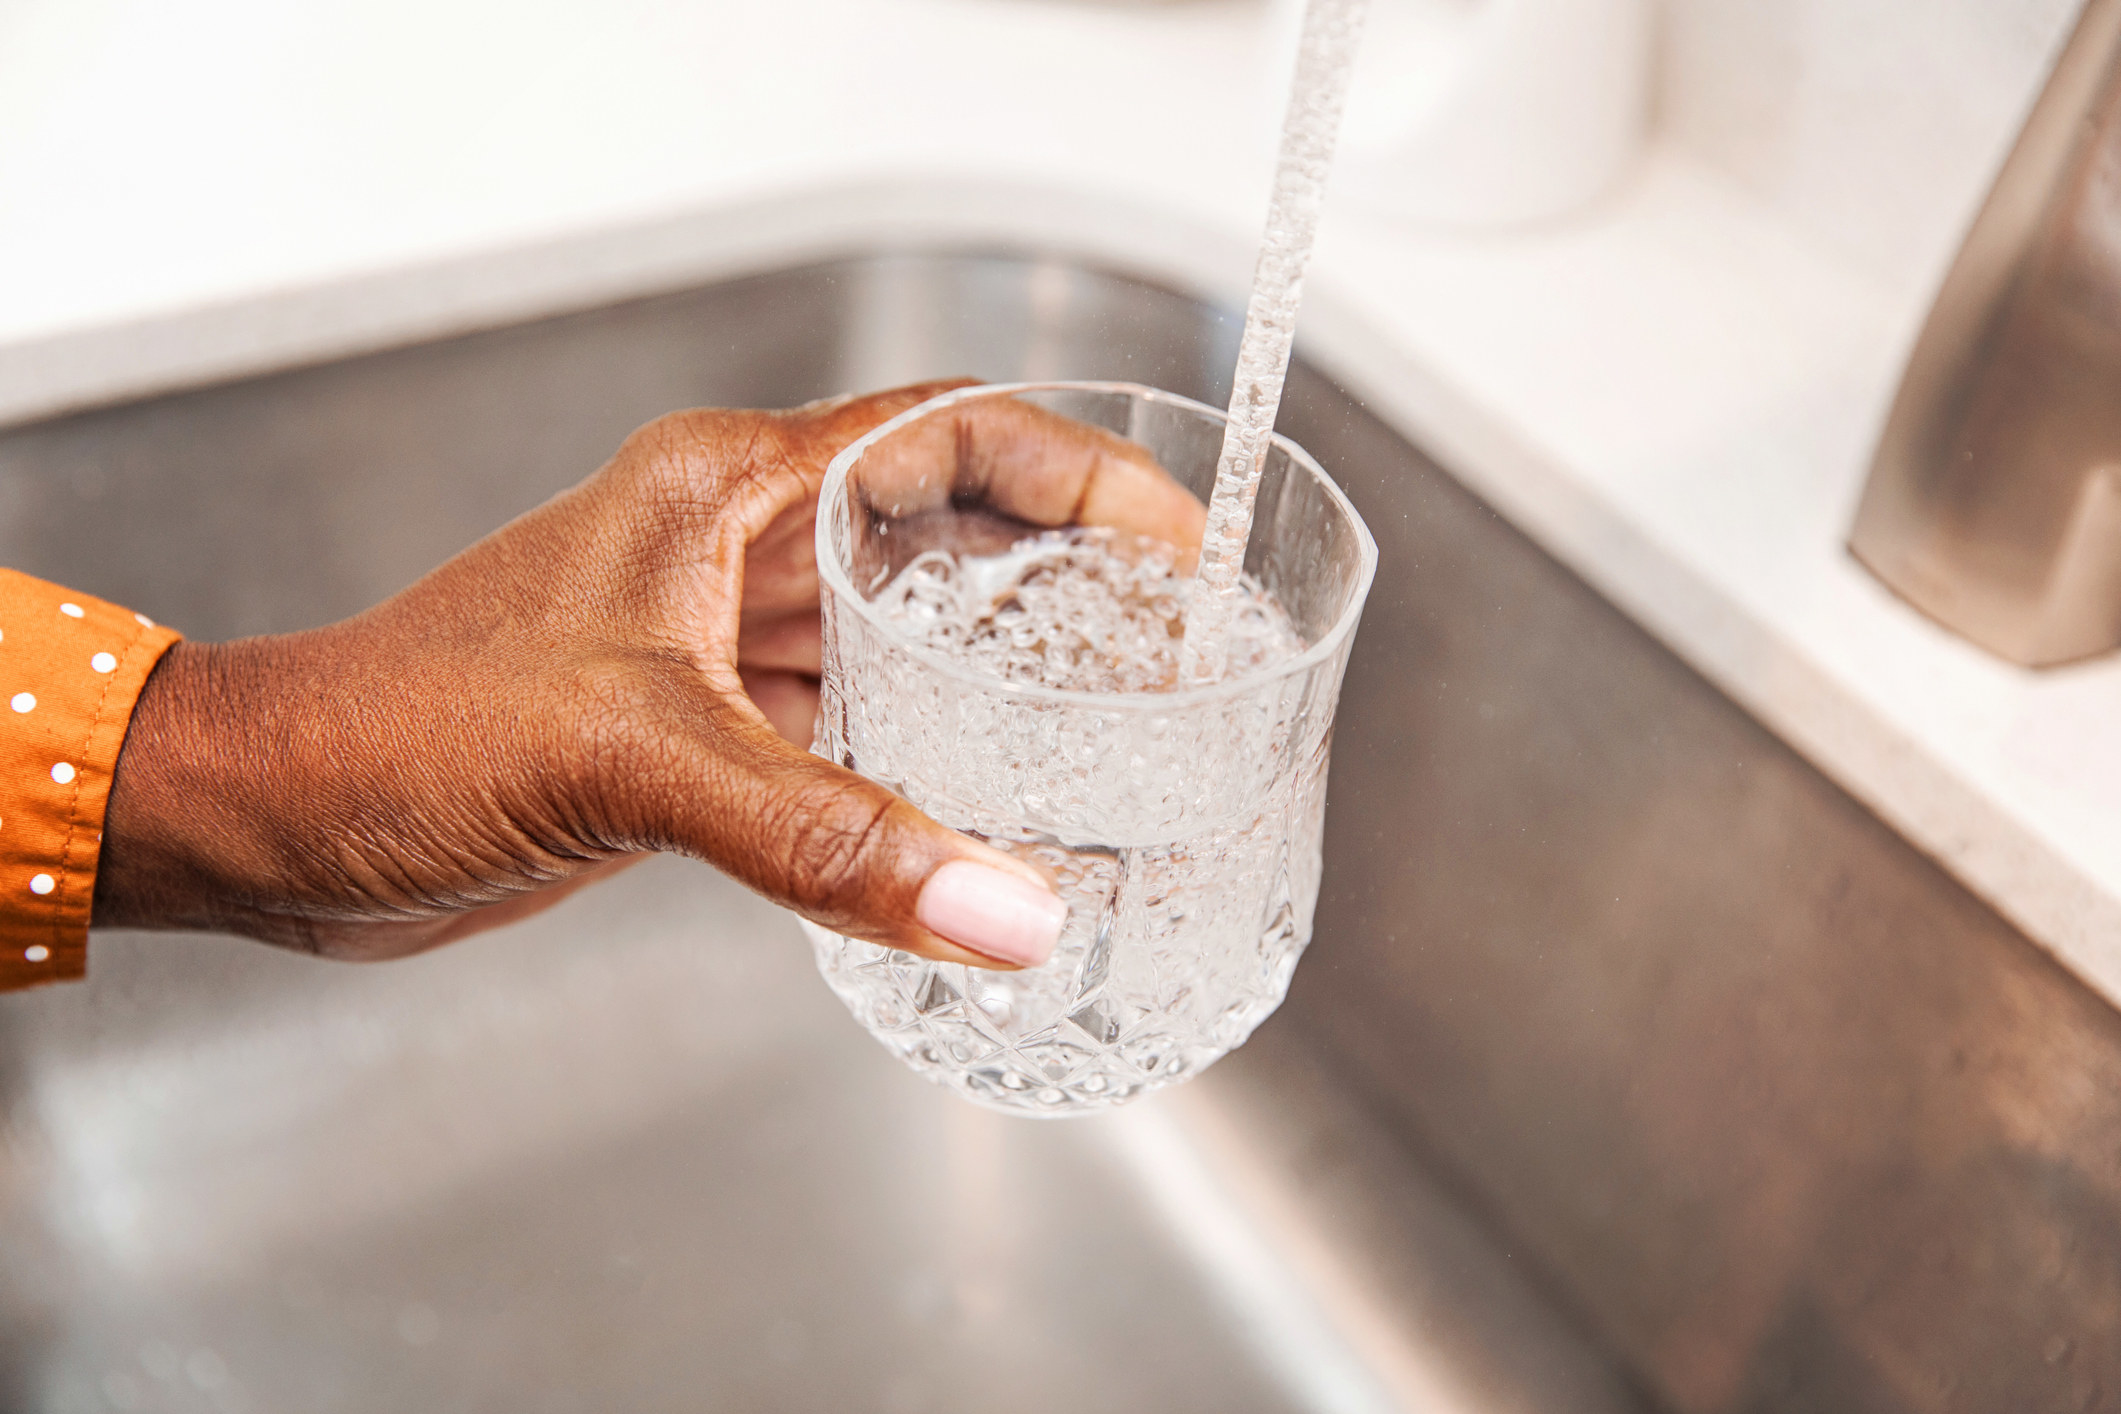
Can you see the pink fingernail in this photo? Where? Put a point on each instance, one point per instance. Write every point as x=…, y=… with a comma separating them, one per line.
x=992, y=913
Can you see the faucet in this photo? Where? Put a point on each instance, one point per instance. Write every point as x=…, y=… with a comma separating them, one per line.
x=1994, y=499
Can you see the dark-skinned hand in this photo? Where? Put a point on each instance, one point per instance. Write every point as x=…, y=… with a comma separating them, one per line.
x=631, y=667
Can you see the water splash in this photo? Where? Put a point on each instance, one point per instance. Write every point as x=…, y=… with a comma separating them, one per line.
x=1324, y=63
x=1088, y=609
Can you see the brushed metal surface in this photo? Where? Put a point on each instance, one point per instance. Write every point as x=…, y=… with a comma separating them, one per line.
x=1798, y=1123
x=633, y=1155
x=1633, y=1065
x=1994, y=499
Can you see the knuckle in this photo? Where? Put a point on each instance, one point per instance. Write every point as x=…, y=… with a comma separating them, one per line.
x=709, y=463
x=837, y=842
x=767, y=464
x=668, y=441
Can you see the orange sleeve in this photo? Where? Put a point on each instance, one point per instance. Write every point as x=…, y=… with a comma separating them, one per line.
x=71, y=668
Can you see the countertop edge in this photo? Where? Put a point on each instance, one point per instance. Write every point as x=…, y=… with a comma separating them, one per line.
x=168, y=351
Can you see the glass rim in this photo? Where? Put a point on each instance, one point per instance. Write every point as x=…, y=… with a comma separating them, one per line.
x=833, y=576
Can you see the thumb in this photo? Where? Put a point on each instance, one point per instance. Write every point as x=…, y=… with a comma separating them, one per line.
x=851, y=855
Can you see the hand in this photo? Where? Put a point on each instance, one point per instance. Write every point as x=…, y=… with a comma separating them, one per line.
x=622, y=670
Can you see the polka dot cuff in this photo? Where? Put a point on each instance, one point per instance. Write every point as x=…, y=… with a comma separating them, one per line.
x=71, y=668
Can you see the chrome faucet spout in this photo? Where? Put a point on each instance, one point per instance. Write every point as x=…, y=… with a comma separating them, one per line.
x=1994, y=500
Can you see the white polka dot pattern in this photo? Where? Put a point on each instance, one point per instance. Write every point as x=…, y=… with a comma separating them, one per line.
x=71, y=670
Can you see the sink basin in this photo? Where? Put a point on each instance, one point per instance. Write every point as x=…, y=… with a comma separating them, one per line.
x=1633, y=1065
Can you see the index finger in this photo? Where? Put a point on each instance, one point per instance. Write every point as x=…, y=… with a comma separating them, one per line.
x=1034, y=465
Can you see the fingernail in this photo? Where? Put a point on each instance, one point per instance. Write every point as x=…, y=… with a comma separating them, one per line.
x=992, y=913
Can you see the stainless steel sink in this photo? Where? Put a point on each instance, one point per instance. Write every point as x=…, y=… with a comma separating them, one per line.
x=1633, y=1065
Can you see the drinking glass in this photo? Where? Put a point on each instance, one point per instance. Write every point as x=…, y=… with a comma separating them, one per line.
x=1182, y=828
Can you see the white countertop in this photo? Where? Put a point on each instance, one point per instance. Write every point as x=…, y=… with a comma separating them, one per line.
x=1676, y=394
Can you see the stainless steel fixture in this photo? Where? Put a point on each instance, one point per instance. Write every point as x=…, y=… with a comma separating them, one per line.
x=1994, y=503
x=1634, y=1066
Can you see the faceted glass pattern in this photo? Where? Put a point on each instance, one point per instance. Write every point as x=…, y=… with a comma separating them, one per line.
x=1182, y=828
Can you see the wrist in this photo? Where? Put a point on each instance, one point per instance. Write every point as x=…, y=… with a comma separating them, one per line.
x=181, y=844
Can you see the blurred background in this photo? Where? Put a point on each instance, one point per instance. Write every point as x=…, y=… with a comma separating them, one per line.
x=157, y=154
